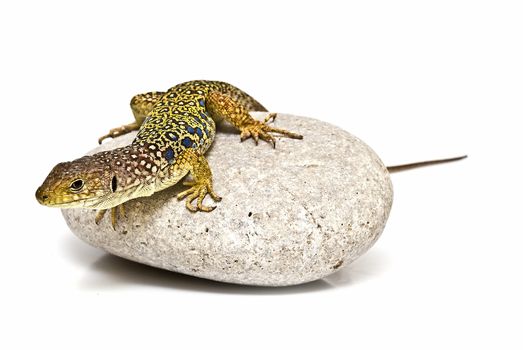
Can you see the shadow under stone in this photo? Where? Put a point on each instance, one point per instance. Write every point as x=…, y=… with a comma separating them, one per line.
x=108, y=271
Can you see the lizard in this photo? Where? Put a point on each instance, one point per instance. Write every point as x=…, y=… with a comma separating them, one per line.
x=175, y=129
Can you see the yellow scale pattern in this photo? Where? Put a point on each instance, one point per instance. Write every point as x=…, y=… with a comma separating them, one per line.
x=176, y=128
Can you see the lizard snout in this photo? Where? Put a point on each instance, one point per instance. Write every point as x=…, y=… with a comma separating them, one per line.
x=41, y=197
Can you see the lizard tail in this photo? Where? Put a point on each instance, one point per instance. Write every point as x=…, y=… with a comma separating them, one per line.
x=397, y=168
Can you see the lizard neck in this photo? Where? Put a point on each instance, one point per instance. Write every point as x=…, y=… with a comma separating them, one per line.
x=133, y=171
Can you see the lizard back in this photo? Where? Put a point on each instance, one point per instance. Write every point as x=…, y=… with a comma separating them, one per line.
x=180, y=120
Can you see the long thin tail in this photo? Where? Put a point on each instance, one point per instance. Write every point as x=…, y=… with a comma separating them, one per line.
x=397, y=168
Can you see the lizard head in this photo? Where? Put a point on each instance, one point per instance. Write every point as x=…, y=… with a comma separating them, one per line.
x=84, y=182
x=100, y=181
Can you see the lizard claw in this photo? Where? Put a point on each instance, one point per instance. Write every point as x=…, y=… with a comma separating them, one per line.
x=245, y=135
x=270, y=117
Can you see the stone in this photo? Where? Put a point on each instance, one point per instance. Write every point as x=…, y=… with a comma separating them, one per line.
x=289, y=215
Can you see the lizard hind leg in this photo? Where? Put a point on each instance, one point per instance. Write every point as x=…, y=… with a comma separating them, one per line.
x=222, y=105
x=141, y=105
x=201, y=185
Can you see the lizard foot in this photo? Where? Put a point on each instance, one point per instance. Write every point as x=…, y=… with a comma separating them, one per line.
x=122, y=130
x=114, y=215
x=198, y=190
x=260, y=130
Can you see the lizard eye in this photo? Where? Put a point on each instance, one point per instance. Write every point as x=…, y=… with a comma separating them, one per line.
x=77, y=185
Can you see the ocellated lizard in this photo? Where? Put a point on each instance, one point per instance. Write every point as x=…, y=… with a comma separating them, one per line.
x=175, y=129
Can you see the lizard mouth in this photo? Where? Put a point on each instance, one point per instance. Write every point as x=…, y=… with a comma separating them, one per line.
x=96, y=200
x=55, y=201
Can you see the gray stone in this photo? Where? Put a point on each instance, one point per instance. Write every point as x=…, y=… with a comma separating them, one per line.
x=289, y=215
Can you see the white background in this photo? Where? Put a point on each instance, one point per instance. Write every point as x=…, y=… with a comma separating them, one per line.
x=414, y=79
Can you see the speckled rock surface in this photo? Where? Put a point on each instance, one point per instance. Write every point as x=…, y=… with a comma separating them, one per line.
x=289, y=215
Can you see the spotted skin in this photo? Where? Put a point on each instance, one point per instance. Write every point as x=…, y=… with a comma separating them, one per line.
x=175, y=129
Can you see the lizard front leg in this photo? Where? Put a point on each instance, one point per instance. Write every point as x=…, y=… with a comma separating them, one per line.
x=118, y=211
x=201, y=185
x=221, y=105
x=119, y=131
